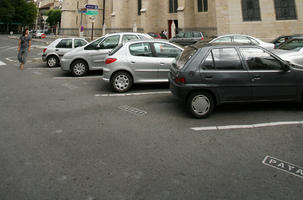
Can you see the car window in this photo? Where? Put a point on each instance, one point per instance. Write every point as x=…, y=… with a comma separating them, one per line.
x=197, y=34
x=295, y=45
x=79, y=43
x=143, y=37
x=110, y=42
x=222, y=39
x=188, y=35
x=166, y=51
x=180, y=35
x=241, y=39
x=258, y=59
x=227, y=59
x=141, y=49
x=65, y=44
x=253, y=41
x=127, y=38
x=93, y=45
x=208, y=63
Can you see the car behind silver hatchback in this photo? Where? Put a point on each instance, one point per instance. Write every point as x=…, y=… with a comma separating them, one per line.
x=139, y=61
x=56, y=50
x=92, y=56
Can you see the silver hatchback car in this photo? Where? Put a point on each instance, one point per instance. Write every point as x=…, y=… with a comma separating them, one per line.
x=56, y=50
x=139, y=61
x=92, y=56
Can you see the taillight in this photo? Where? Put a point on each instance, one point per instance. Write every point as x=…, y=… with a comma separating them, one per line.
x=44, y=50
x=202, y=38
x=110, y=60
x=180, y=80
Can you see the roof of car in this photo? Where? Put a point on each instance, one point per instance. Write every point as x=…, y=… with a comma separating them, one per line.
x=227, y=44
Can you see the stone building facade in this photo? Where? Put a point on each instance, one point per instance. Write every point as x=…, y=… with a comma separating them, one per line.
x=265, y=19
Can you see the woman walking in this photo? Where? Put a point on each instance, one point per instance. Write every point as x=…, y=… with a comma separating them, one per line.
x=24, y=47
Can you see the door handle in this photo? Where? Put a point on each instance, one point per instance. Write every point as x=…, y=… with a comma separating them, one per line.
x=208, y=77
x=162, y=63
x=255, y=78
x=57, y=49
x=132, y=62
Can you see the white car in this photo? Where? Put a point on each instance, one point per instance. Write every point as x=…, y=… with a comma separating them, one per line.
x=243, y=39
x=55, y=51
x=38, y=34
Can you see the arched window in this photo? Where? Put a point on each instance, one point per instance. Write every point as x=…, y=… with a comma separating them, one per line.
x=251, y=10
x=202, y=5
x=285, y=9
x=173, y=6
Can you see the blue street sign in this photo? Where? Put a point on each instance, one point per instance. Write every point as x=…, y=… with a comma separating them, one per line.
x=91, y=6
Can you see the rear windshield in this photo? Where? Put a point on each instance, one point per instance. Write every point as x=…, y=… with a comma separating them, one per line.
x=115, y=50
x=185, y=56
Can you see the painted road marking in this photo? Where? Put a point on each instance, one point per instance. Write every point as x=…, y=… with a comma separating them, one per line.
x=283, y=166
x=229, y=127
x=10, y=60
x=5, y=47
x=133, y=110
x=41, y=68
x=37, y=73
x=2, y=63
x=131, y=94
x=85, y=77
x=69, y=86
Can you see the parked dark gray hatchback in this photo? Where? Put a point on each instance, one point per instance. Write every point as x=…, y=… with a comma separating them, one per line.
x=206, y=75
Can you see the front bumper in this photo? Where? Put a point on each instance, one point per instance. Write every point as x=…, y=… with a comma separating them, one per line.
x=65, y=64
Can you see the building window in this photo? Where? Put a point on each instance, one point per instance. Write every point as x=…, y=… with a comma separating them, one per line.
x=251, y=10
x=285, y=9
x=139, y=6
x=173, y=6
x=202, y=5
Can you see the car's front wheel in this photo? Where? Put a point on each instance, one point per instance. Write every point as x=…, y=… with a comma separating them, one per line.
x=52, y=61
x=121, y=82
x=79, y=68
x=200, y=104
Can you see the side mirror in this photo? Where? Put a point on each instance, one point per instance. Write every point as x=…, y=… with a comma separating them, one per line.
x=286, y=67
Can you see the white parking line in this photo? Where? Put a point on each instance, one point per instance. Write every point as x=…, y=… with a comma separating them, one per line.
x=85, y=77
x=229, y=127
x=2, y=63
x=131, y=94
x=5, y=47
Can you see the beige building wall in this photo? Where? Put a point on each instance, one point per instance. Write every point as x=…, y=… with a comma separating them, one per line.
x=267, y=29
x=222, y=17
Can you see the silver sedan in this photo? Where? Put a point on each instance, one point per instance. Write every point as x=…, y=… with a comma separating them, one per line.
x=139, y=61
x=244, y=39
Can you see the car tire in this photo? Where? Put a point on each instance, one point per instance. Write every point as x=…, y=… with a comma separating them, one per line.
x=121, y=82
x=52, y=61
x=79, y=68
x=200, y=104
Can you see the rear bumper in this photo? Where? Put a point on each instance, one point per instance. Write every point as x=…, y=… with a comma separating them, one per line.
x=179, y=90
x=44, y=58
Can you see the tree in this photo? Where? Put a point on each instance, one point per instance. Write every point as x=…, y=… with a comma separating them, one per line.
x=7, y=11
x=54, y=17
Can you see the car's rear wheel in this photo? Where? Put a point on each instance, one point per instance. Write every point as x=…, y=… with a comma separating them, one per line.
x=79, y=68
x=200, y=104
x=52, y=61
x=122, y=82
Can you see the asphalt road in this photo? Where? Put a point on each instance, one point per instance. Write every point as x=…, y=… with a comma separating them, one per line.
x=73, y=138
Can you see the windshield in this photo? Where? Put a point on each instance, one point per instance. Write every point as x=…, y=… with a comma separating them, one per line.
x=115, y=50
x=294, y=45
x=185, y=56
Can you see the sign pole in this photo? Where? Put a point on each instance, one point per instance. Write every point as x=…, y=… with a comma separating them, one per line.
x=92, y=37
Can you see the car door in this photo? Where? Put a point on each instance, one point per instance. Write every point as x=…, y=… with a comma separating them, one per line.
x=166, y=54
x=101, y=50
x=64, y=46
x=268, y=78
x=142, y=62
x=223, y=70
